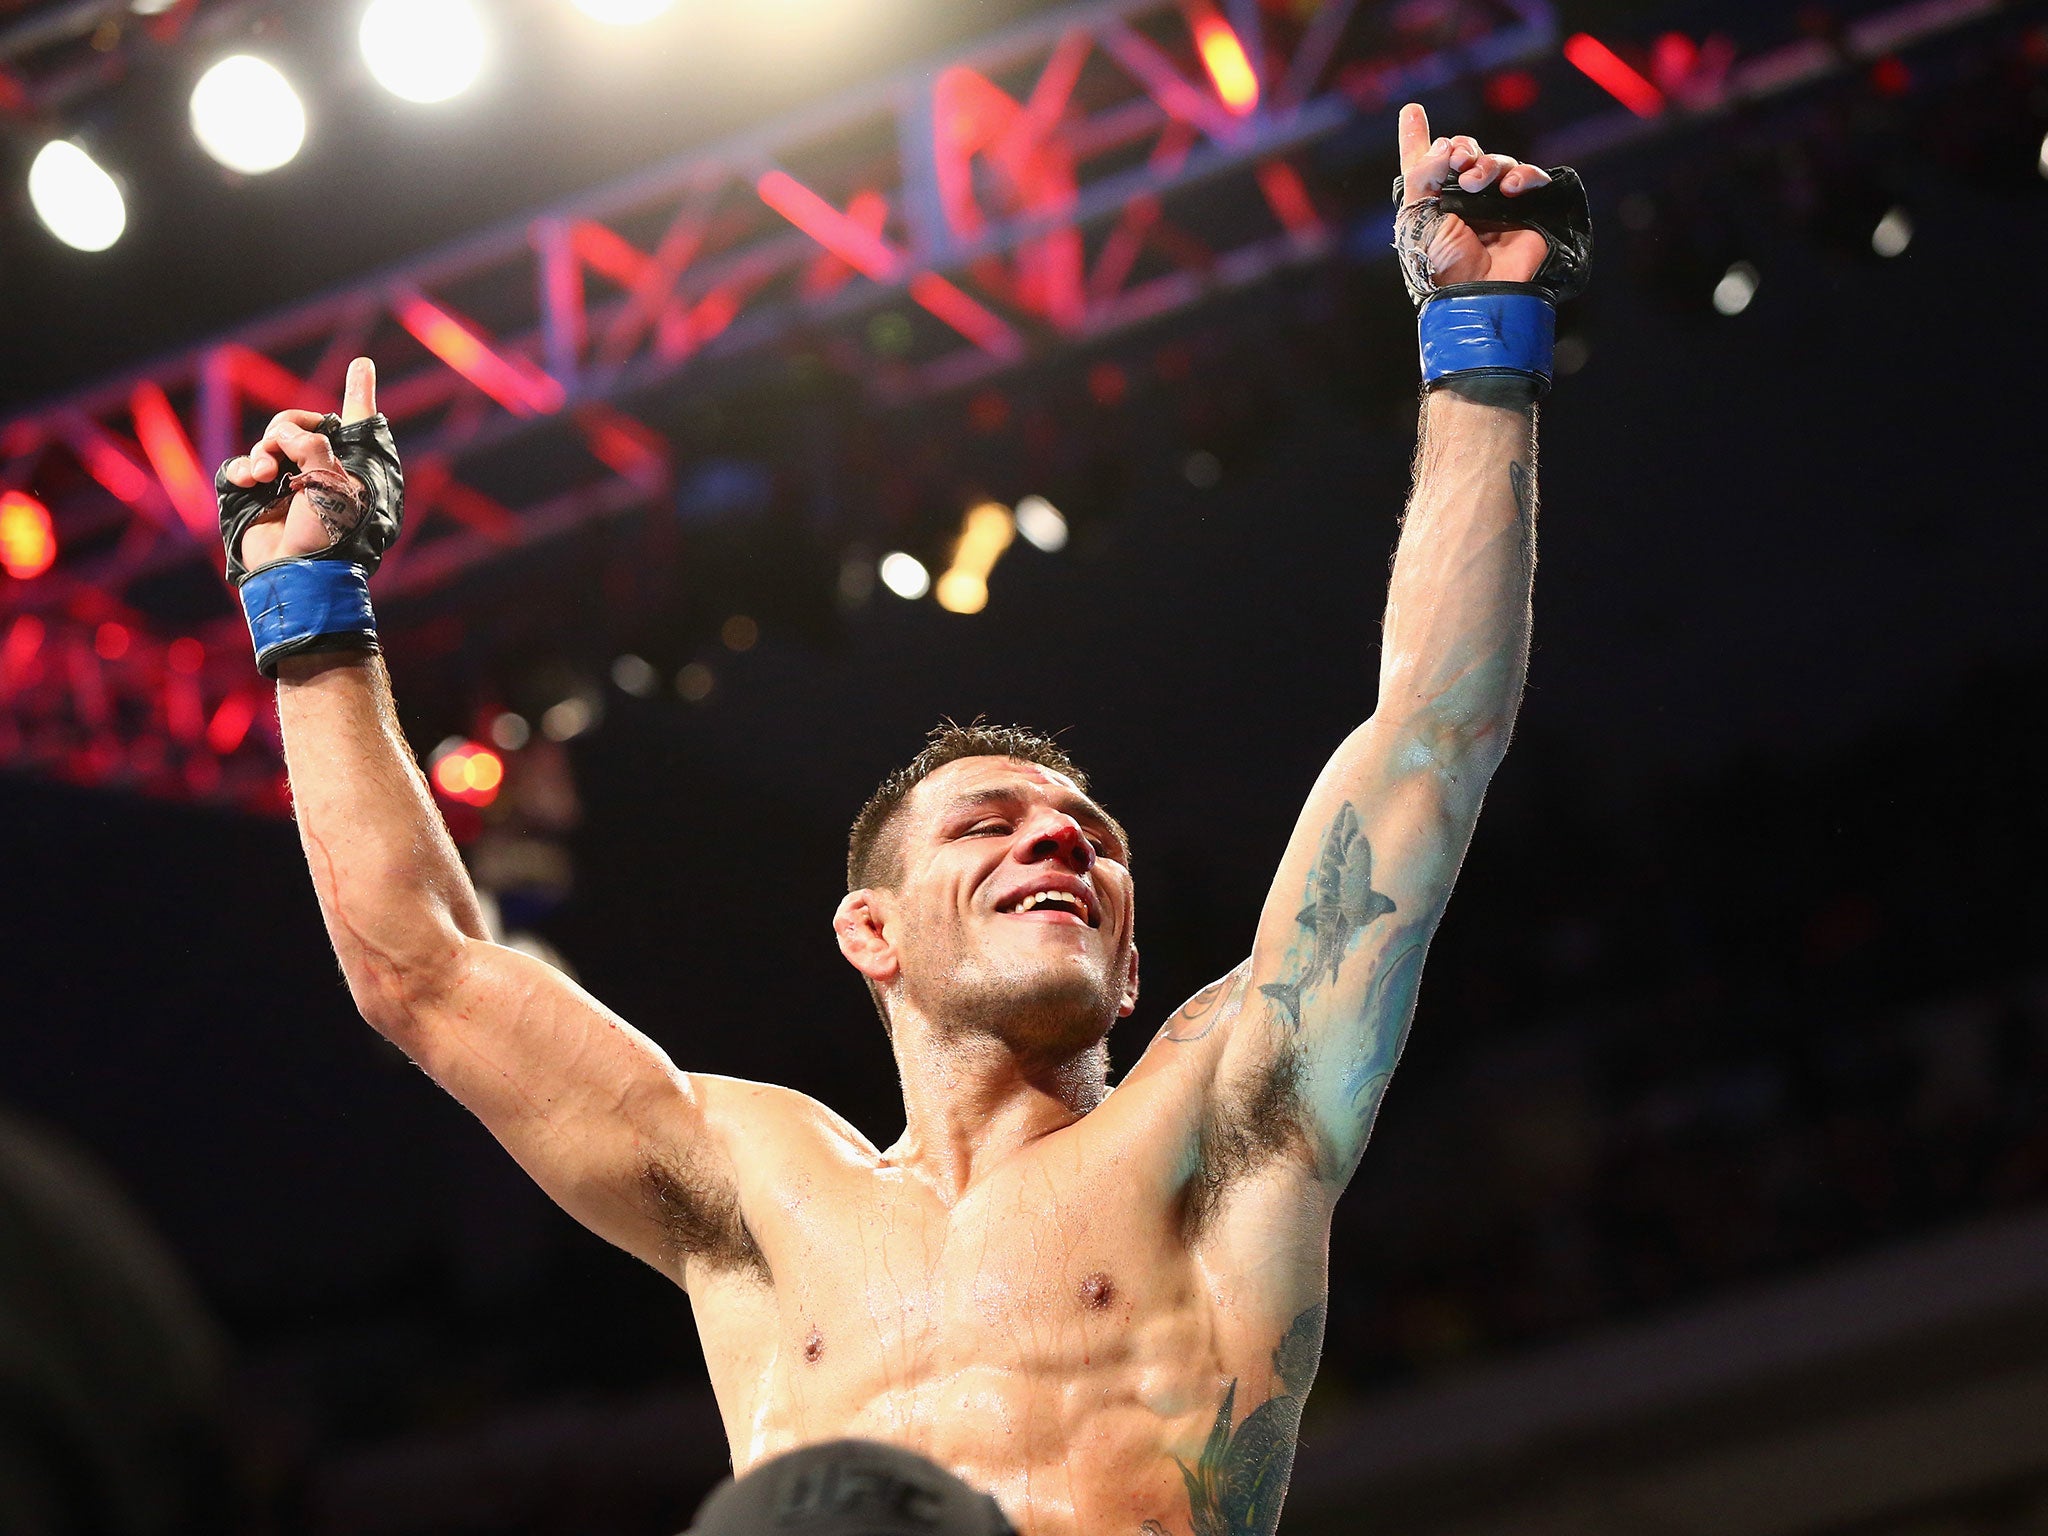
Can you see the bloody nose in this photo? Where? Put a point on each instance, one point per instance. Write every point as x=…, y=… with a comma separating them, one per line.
x=1067, y=843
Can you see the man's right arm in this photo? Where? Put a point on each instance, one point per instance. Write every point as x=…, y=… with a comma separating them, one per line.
x=589, y=1106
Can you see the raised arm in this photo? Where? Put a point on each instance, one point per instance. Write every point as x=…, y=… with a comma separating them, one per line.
x=590, y=1107
x=1337, y=962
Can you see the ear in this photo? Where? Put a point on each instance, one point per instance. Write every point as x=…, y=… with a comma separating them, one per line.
x=1129, y=1005
x=858, y=927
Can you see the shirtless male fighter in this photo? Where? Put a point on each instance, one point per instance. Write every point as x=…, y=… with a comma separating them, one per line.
x=1102, y=1306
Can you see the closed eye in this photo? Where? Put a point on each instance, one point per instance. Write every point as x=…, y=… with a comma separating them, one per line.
x=985, y=828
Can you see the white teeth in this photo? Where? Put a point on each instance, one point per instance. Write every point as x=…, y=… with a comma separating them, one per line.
x=1041, y=898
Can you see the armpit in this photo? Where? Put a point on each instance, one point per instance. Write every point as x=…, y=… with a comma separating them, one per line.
x=701, y=1220
x=1249, y=1124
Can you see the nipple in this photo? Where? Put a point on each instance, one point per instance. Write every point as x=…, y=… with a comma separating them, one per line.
x=814, y=1347
x=1097, y=1291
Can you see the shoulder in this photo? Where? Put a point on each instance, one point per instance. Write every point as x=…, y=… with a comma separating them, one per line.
x=761, y=1124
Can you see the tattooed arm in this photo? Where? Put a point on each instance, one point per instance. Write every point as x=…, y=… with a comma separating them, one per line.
x=1340, y=944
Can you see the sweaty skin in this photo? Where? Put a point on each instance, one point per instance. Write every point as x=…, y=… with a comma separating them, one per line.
x=1102, y=1305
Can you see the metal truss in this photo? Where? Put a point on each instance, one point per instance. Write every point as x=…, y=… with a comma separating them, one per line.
x=1099, y=166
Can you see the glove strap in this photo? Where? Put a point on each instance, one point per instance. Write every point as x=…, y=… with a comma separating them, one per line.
x=296, y=607
x=1487, y=328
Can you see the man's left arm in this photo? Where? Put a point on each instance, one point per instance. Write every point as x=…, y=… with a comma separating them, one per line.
x=1337, y=962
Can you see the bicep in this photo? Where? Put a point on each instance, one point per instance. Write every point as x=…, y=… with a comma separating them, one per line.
x=587, y=1105
x=1337, y=964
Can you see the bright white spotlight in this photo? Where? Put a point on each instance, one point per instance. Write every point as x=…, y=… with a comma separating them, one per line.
x=623, y=13
x=1736, y=288
x=2042, y=160
x=905, y=575
x=74, y=198
x=1893, y=234
x=423, y=50
x=1041, y=525
x=247, y=116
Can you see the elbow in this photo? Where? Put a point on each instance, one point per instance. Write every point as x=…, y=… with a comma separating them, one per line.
x=395, y=993
x=1465, y=725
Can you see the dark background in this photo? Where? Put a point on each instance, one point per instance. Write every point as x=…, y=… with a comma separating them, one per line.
x=1743, y=976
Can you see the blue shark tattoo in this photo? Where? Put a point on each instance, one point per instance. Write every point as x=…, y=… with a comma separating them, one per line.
x=1341, y=902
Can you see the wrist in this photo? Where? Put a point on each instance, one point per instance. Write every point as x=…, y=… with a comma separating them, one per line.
x=308, y=607
x=310, y=666
x=1487, y=330
x=1502, y=391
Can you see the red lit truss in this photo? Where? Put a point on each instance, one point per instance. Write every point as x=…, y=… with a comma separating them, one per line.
x=1008, y=202
x=1040, y=189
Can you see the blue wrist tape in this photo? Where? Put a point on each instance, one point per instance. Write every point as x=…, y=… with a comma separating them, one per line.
x=299, y=606
x=1487, y=328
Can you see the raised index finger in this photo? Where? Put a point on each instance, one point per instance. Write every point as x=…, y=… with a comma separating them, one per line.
x=1413, y=134
x=359, y=395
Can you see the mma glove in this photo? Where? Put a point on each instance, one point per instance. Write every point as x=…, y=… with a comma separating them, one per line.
x=1478, y=329
x=319, y=602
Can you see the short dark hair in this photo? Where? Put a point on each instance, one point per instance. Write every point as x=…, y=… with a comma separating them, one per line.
x=872, y=857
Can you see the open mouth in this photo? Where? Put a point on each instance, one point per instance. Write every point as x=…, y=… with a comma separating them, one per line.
x=1052, y=907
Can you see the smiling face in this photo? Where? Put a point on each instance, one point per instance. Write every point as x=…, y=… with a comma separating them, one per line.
x=1011, y=913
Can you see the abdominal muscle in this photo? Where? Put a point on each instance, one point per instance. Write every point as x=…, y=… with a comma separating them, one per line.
x=1077, y=1425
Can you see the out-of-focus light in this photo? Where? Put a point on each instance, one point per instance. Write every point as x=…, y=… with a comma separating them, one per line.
x=1512, y=90
x=694, y=683
x=185, y=655
x=740, y=633
x=905, y=575
x=985, y=533
x=229, y=727
x=467, y=771
x=2041, y=160
x=76, y=200
x=247, y=116
x=962, y=592
x=1893, y=234
x=1613, y=74
x=856, y=579
x=510, y=732
x=28, y=543
x=1736, y=288
x=569, y=719
x=1202, y=469
x=622, y=13
x=1223, y=55
x=1572, y=353
x=636, y=675
x=110, y=641
x=423, y=50
x=1039, y=521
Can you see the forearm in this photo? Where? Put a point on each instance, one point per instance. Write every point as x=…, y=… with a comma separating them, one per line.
x=1456, y=645
x=398, y=904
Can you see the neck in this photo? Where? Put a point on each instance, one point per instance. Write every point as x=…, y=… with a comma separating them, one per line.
x=971, y=1100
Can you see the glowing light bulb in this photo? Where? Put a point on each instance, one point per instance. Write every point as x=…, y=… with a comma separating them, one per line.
x=423, y=50
x=76, y=200
x=247, y=116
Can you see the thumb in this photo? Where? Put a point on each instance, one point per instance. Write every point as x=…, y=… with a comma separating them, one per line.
x=359, y=395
